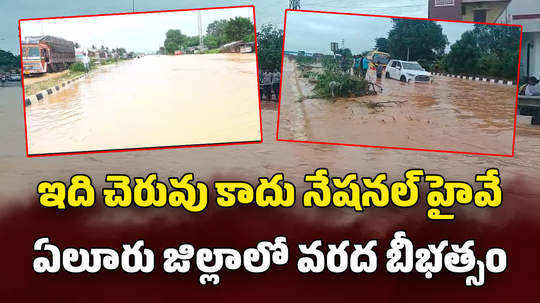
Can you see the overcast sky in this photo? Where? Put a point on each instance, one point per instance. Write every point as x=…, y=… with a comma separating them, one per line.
x=137, y=32
x=313, y=32
x=267, y=11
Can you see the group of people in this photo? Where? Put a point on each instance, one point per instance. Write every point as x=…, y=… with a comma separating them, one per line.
x=531, y=88
x=269, y=85
x=360, y=65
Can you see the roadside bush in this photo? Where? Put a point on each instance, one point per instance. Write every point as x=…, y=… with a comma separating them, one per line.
x=212, y=51
x=349, y=86
x=76, y=67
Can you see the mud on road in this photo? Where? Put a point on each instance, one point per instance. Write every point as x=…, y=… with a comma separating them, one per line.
x=448, y=114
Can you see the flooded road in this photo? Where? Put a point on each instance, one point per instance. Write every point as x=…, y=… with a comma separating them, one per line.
x=449, y=114
x=19, y=174
x=149, y=102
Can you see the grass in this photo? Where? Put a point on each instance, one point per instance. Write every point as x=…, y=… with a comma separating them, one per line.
x=35, y=88
x=212, y=51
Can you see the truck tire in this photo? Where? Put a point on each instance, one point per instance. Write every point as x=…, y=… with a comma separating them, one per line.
x=535, y=120
x=403, y=79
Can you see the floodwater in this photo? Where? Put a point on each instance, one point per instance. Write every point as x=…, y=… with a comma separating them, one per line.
x=450, y=114
x=20, y=175
x=150, y=102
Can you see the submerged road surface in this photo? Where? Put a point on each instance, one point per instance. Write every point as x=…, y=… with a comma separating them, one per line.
x=149, y=102
x=449, y=114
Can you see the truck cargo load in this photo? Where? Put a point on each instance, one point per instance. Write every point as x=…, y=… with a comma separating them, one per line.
x=43, y=54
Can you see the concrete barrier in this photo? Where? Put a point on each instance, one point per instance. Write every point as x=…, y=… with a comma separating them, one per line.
x=40, y=96
x=476, y=78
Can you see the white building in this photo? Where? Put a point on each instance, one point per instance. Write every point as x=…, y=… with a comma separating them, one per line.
x=526, y=13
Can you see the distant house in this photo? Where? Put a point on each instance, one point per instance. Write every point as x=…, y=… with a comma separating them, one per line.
x=238, y=47
x=467, y=10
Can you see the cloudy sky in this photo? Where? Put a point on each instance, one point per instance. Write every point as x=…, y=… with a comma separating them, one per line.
x=267, y=11
x=313, y=32
x=137, y=32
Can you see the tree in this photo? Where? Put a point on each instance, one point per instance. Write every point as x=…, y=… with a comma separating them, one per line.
x=269, y=47
x=488, y=50
x=424, y=41
x=346, y=58
x=238, y=28
x=191, y=41
x=8, y=61
x=174, y=40
x=382, y=44
x=216, y=28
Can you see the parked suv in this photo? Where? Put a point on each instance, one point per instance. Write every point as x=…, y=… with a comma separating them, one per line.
x=407, y=71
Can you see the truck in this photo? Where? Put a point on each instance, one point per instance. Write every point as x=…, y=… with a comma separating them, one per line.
x=380, y=59
x=46, y=54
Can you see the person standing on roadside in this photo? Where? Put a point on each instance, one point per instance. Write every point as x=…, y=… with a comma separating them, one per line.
x=86, y=62
x=365, y=66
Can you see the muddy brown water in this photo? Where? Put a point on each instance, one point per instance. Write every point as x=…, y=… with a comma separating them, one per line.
x=151, y=101
x=19, y=175
x=449, y=114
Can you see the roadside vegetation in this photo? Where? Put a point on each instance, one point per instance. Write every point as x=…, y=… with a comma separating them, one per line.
x=269, y=48
x=332, y=82
x=486, y=50
x=9, y=61
x=218, y=33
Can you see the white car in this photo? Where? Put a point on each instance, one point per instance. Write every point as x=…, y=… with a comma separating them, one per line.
x=407, y=71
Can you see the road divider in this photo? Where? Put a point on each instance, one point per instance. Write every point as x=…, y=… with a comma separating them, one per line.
x=42, y=95
x=477, y=78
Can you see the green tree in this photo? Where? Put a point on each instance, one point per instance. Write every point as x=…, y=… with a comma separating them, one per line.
x=238, y=28
x=346, y=58
x=488, y=50
x=8, y=61
x=269, y=47
x=382, y=44
x=191, y=41
x=174, y=40
x=423, y=40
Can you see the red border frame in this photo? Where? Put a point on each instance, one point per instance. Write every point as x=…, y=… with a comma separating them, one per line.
x=142, y=148
x=394, y=147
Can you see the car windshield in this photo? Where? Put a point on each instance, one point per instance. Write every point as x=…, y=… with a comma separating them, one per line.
x=412, y=66
x=381, y=58
x=32, y=52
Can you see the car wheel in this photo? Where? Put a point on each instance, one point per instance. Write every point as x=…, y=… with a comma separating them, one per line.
x=403, y=79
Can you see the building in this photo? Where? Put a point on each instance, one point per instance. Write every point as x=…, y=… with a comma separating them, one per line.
x=467, y=10
x=527, y=14
x=238, y=47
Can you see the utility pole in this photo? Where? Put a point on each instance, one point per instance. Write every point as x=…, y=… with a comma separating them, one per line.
x=133, y=5
x=201, y=40
x=408, y=52
x=294, y=4
x=343, y=43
